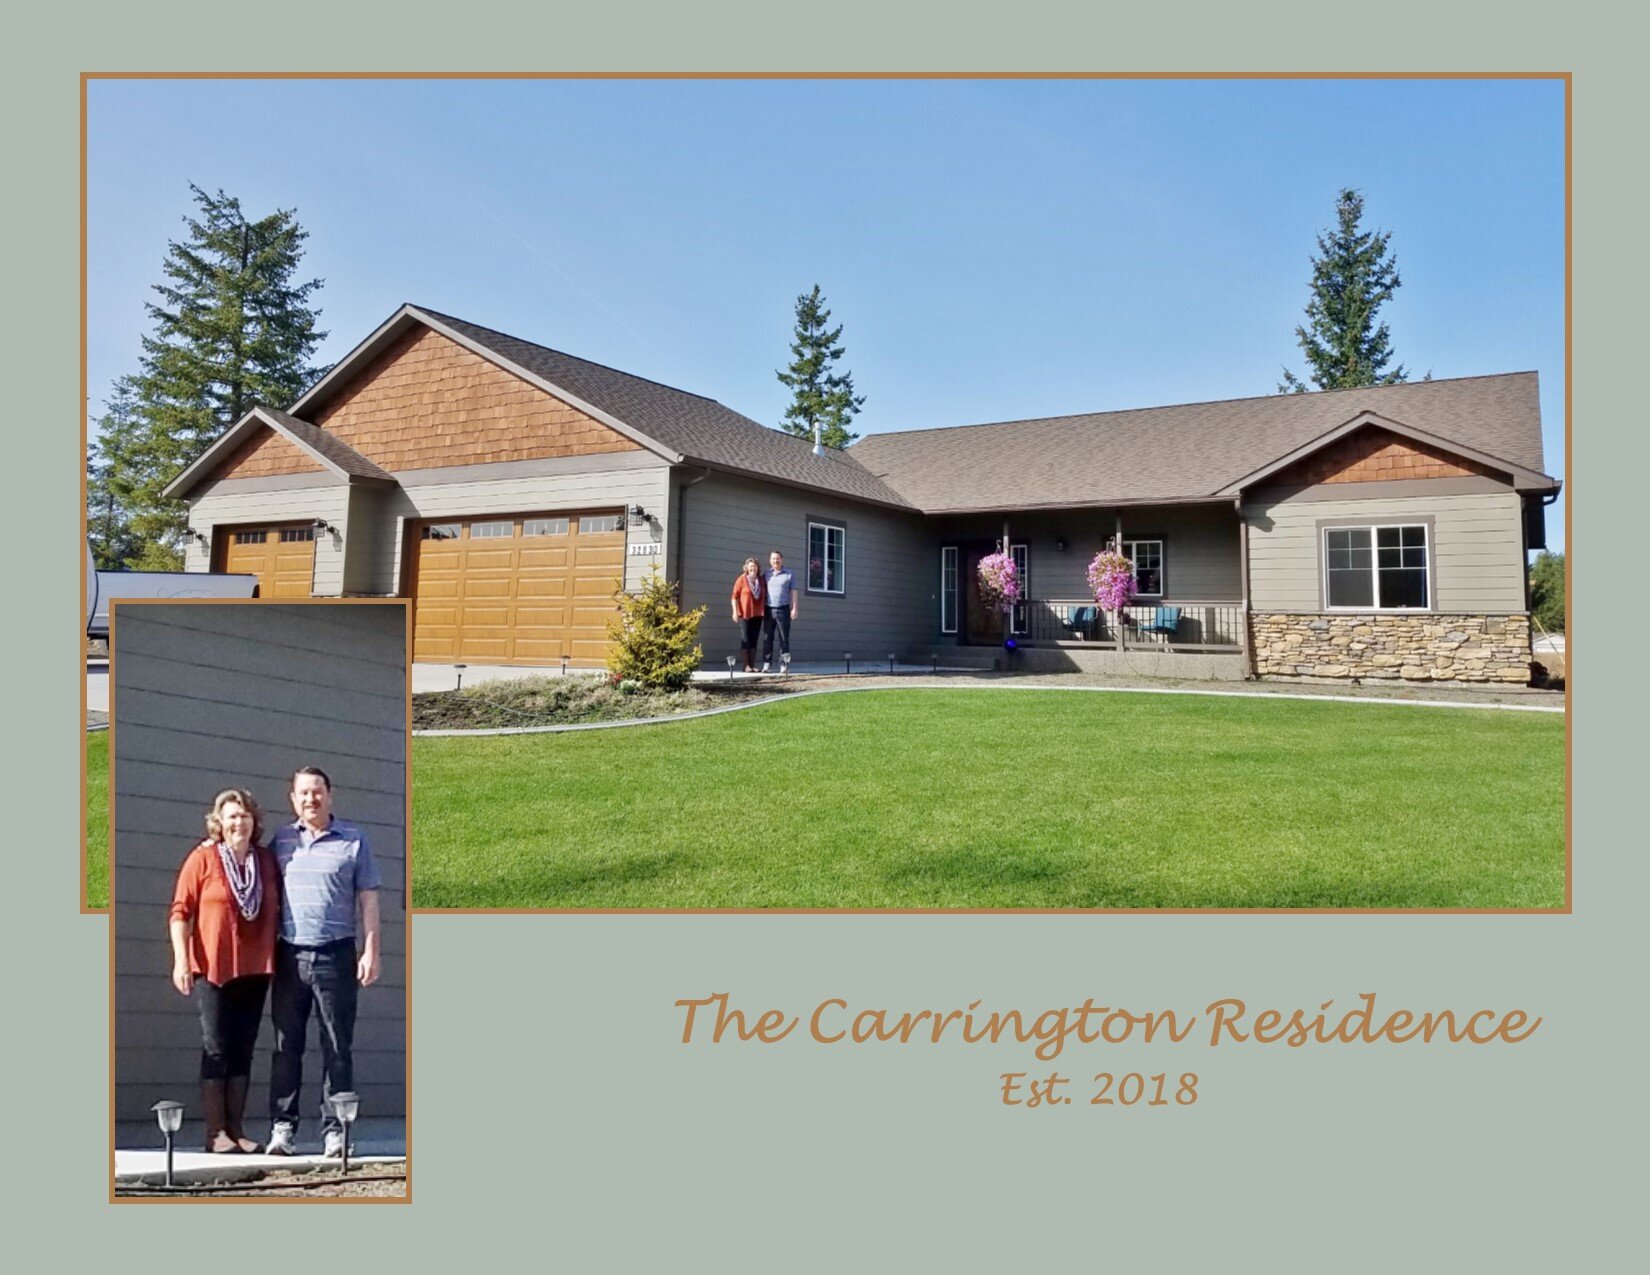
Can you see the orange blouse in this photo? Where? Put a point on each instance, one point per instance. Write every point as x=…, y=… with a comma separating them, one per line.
x=749, y=605
x=222, y=945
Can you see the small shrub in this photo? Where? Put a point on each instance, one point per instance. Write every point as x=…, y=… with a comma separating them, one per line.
x=652, y=641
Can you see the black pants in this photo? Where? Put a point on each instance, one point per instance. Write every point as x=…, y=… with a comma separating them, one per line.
x=318, y=980
x=750, y=632
x=229, y=1024
x=776, y=622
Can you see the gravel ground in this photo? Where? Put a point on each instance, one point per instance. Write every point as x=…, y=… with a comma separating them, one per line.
x=286, y=1183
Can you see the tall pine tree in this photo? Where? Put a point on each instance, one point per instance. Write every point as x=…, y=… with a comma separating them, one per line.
x=233, y=329
x=1353, y=276
x=108, y=523
x=819, y=395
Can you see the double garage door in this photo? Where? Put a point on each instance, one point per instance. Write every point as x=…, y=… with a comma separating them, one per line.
x=282, y=556
x=516, y=589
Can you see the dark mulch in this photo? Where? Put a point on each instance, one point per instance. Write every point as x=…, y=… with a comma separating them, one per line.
x=364, y=1181
x=559, y=701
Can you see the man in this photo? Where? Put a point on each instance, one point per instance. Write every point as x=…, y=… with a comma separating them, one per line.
x=781, y=591
x=326, y=869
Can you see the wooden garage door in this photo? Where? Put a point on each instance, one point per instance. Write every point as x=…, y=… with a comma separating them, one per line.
x=516, y=588
x=282, y=557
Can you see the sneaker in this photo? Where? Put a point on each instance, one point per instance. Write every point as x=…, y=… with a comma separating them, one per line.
x=334, y=1148
x=283, y=1139
x=766, y=667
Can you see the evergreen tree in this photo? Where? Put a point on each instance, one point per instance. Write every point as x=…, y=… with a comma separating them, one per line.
x=652, y=640
x=1353, y=275
x=820, y=396
x=1547, y=590
x=109, y=531
x=233, y=329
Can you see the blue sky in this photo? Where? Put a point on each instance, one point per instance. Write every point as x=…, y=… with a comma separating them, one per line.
x=995, y=249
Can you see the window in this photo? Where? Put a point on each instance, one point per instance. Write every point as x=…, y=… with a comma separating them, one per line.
x=826, y=546
x=296, y=535
x=1147, y=556
x=948, y=589
x=600, y=522
x=1376, y=568
x=1019, y=621
x=544, y=527
x=251, y=537
x=505, y=530
x=441, y=531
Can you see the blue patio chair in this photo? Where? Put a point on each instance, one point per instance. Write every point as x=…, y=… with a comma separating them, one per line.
x=1164, y=620
x=1081, y=621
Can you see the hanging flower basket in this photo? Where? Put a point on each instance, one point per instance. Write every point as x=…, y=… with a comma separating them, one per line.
x=1111, y=576
x=999, y=581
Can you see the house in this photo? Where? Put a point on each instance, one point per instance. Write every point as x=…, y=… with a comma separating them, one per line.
x=505, y=487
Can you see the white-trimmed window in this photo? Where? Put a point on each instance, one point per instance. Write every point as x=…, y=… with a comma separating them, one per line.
x=296, y=535
x=544, y=527
x=1020, y=621
x=505, y=530
x=1147, y=556
x=251, y=537
x=441, y=531
x=827, y=554
x=590, y=524
x=948, y=589
x=1376, y=568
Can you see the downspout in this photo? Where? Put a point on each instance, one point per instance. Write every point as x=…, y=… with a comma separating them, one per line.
x=1243, y=572
x=680, y=537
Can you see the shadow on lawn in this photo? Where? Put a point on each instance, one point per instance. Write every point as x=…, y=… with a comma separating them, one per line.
x=968, y=867
x=609, y=875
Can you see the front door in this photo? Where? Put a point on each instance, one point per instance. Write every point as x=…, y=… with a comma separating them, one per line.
x=982, y=625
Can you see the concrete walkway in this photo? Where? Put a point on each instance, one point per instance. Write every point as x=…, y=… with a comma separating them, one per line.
x=140, y=1152
x=444, y=677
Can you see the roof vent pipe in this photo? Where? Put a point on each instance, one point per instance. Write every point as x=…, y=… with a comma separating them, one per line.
x=819, y=441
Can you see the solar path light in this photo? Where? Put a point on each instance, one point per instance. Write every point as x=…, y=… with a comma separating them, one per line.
x=348, y=1106
x=169, y=1116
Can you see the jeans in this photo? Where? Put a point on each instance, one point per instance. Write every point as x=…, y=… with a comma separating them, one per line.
x=321, y=980
x=776, y=621
x=750, y=633
x=229, y=1024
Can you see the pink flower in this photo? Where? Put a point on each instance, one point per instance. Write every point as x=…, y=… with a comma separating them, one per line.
x=1111, y=577
x=999, y=581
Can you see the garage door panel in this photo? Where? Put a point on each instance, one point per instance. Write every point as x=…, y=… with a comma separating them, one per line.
x=285, y=569
x=516, y=599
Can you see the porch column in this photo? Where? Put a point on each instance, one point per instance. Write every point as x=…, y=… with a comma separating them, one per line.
x=1117, y=547
x=1243, y=571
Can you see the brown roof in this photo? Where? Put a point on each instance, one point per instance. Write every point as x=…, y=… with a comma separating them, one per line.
x=1184, y=452
x=329, y=446
x=698, y=429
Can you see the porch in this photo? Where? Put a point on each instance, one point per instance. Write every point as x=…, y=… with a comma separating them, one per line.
x=1190, y=582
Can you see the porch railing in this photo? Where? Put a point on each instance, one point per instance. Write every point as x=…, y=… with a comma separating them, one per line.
x=1173, y=626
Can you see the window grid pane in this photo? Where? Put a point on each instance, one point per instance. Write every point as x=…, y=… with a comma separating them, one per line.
x=592, y=523
x=948, y=590
x=1377, y=567
x=544, y=527
x=441, y=531
x=492, y=530
x=296, y=535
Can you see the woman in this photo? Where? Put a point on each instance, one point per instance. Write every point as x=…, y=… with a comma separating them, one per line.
x=748, y=610
x=225, y=913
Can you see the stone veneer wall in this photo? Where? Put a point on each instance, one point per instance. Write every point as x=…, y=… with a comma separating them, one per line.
x=1429, y=647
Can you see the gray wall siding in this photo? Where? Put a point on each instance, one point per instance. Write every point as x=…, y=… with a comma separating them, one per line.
x=647, y=486
x=208, y=696
x=891, y=602
x=1200, y=547
x=1477, y=548
x=227, y=504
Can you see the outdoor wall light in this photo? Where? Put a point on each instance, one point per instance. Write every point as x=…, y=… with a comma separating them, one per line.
x=198, y=537
x=638, y=516
x=848, y=661
x=169, y=1116
x=322, y=525
x=459, y=669
x=348, y=1106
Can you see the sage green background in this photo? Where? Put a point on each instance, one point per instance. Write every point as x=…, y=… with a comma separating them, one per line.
x=557, y=1121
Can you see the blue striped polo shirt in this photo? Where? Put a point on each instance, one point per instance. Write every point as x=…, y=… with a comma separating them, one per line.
x=321, y=873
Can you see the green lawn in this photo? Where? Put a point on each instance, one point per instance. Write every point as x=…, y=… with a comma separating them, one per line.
x=1049, y=799
x=97, y=819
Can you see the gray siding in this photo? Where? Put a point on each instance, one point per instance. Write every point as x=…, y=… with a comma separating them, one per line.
x=248, y=501
x=208, y=696
x=891, y=601
x=1477, y=550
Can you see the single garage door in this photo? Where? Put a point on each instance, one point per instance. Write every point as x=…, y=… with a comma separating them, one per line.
x=516, y=589
x=282, y=557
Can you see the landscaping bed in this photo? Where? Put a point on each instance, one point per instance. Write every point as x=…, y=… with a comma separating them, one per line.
x=364, y=1182
x=571, y=701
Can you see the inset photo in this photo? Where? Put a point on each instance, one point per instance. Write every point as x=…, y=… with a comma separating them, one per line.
x=258, y=792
